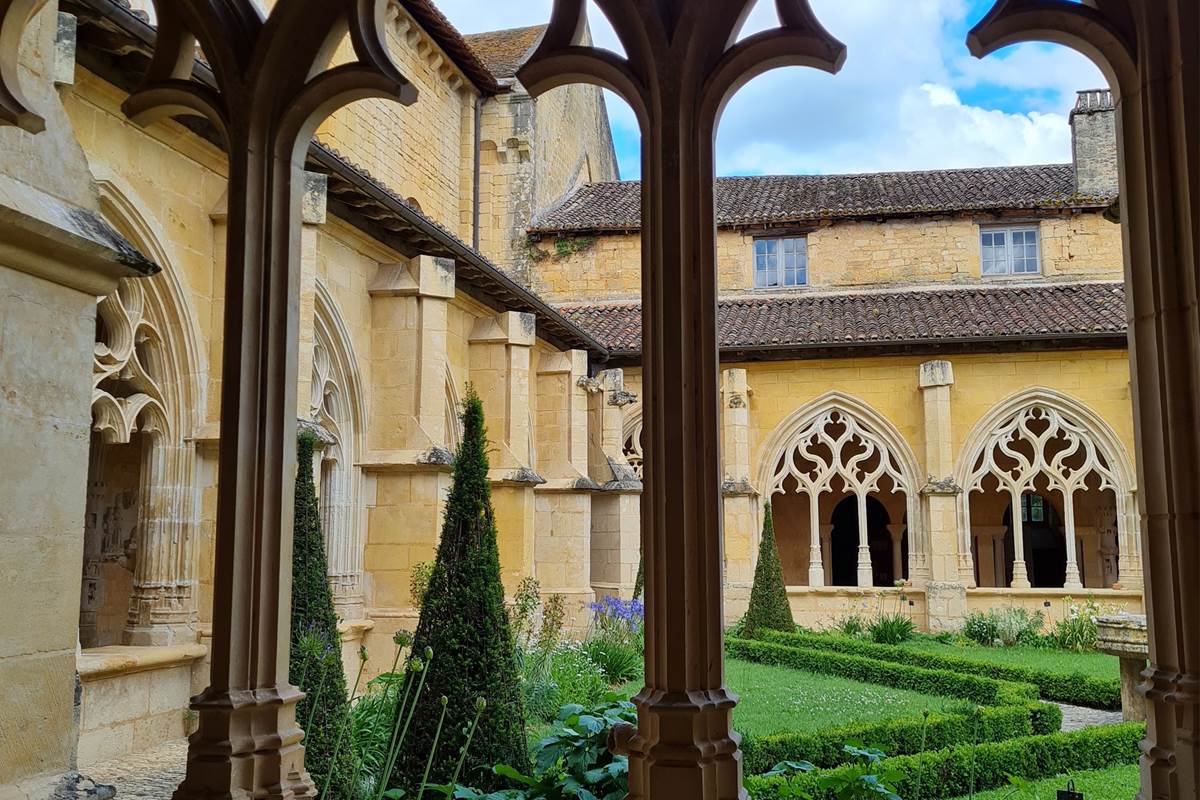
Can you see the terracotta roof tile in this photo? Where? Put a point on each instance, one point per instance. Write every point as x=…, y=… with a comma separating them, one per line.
x=615, y=205
x=504, y=51
x=888, y=317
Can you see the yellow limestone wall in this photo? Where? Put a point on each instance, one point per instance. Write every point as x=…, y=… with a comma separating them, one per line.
x=1097, y=379
x=1076, y=246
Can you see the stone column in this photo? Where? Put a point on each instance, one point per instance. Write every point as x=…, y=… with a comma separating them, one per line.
x=1072, y=579
x=742, y=516
x=866, y=575
x=562, y=543
x=948, y=548
x=896, y=530
x=1020, y=578
x=826, y=547
x=1149, y=50
x=313, y=213
x=500, y=361
x=616, y=508
x=817, y=544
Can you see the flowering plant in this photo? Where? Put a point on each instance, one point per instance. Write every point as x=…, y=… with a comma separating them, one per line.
x=615, y=639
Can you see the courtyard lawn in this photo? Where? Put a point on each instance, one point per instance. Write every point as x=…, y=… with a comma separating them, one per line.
x=775, y=699
x=1116, y=783
x=1096, y=665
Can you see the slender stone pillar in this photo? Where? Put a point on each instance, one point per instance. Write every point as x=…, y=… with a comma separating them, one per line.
x=866, y=575
x=827, y=549
x=1150, y=52
x=816, y=542
x=1020, y=574
x=896, y=531
x=683, y=61
x=271, y=91
x=1072, y=579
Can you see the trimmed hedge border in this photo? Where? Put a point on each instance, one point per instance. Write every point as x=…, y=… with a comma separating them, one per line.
x=1075, y=688
x=900, y=736
x=977, y=689
x=941, y=774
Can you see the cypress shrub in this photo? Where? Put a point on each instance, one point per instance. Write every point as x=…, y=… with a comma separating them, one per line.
x=951, y=772
x=1075, y=688
x=769, y=608
x=464, y=621
x=315, y=664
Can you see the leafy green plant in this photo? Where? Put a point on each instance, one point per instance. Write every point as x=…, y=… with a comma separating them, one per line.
x=418, y=583
x=563, y=675
x=465, y=622
x=1077, y=629
x=522, y=614
x=867, y=778
x=769, y=607
x=554, y=614
x=891, y=629
x=615, y=638
x=854, y=625
x=1004, y=627
x=315, y=665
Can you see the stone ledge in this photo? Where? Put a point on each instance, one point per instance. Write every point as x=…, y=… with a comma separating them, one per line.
x=105, y=662
x=353, y=629
x=1053, y=592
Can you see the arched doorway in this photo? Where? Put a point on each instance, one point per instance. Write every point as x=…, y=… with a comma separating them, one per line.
x=844, y=539
x=1045, y=542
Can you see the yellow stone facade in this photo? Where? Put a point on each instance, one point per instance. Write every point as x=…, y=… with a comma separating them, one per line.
x=389, y=338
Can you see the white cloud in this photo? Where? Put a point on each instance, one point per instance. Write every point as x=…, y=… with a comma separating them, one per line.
x=910, y=96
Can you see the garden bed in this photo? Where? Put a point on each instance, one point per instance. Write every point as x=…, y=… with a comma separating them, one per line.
x=1081, y=687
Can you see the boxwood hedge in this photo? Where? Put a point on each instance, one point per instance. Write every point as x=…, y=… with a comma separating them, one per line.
x=954, y=772
x=976, y=688
x=903, y=736
x=1074, y=688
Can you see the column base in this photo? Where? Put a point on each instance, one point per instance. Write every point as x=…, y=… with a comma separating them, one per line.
x=866, y=575
x=1073, y=580
x=247, y=746
x=1020, y=578
x=684, y=746
x=816, y=575
x=160, y=635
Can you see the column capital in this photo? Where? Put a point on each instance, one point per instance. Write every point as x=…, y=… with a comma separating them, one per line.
x=936, y=373
x=421, y=276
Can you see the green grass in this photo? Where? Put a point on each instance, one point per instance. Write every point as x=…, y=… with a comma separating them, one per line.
x=1116, y=783
x=775, y=699
x=1098, y=665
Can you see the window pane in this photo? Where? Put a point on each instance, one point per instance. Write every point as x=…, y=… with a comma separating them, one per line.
x=994, y=247
x=780, y=262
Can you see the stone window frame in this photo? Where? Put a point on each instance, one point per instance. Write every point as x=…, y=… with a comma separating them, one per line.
x=779, y=237
x=1008, y=229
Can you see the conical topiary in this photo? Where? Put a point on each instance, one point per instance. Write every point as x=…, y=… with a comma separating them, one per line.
x=316, y=647
x=769, y=607
x=463, y=620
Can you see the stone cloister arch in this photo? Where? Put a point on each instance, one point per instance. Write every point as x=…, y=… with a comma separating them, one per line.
x=837, y=442
x=336, y=408
x=147, y=402
x=631, y=440
x=1039, y=442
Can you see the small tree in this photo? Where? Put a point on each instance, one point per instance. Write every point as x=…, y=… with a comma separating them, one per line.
x=464, y=621
x=769, y=607
x=316, y=646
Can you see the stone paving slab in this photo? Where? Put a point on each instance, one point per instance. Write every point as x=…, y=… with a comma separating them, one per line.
x=1078, y=717
x=152, y=775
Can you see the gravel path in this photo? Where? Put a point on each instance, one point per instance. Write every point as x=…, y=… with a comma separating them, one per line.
x=152, y=775
x=1077, y=717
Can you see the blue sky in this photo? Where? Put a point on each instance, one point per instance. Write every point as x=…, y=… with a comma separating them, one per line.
x=910, y=96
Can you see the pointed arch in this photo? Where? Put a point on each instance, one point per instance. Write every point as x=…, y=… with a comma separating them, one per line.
x=150, y=376
x=631, y=439
x=1041, y=434
x=839, y=437
x=337, y=405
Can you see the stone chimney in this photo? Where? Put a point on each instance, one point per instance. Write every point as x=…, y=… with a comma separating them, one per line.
x=1094, y=143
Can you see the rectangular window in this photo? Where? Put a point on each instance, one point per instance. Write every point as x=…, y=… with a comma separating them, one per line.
x=780, y=262
x=1010, y=250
